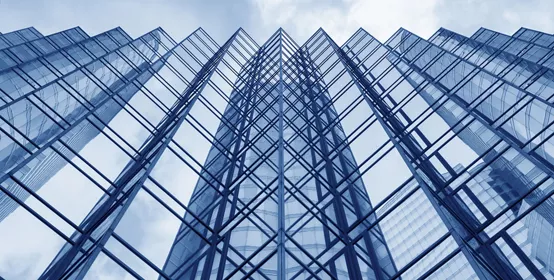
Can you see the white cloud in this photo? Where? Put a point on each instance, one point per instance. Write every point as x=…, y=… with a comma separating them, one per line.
x=383, y=18
x=136, y=17
x=342, y=18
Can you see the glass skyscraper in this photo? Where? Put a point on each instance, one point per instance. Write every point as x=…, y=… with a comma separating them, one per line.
x=148, y=158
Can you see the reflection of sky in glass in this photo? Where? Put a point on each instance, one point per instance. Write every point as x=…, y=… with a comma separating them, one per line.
x=147, y=223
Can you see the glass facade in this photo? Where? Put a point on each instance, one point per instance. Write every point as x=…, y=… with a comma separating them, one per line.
x=150, y=158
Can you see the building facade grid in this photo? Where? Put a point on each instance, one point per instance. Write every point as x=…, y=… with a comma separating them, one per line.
x=150, y=158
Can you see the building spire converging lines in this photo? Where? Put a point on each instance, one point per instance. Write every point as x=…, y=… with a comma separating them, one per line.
x=152, y=158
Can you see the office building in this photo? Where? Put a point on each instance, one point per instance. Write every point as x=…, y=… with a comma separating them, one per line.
x=152, y=158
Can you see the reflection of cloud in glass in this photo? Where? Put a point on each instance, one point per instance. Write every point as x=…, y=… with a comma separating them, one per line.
x=28, y=245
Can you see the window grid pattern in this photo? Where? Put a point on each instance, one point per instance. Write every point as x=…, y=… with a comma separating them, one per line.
x=407, y=159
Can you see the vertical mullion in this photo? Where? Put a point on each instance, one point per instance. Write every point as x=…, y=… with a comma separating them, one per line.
x=281, y=266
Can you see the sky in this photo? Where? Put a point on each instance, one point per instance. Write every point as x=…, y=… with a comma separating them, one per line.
x=19, y=256
x=260, y=18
